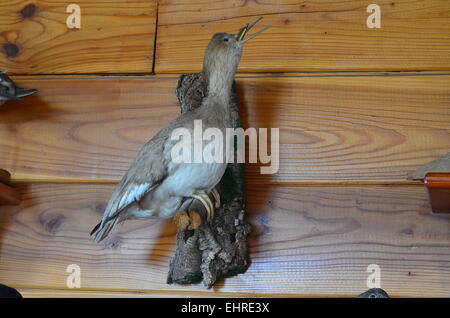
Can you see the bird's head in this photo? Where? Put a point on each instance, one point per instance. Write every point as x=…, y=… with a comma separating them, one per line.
x=6, y=84
x=224, y=50
x=8, y=90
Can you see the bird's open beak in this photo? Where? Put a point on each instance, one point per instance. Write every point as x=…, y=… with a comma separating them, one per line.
x=23, y=92
x=241, y=34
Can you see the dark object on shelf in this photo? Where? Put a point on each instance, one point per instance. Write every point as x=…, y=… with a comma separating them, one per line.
x=8, y=292
x=8, y=196
x=219, y=248
x=10, y=91
x=438, y=186
x=374, y=293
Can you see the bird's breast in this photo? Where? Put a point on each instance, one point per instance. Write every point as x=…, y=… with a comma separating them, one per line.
x=190, y=177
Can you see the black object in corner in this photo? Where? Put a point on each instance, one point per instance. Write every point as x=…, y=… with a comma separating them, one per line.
x=8, y=292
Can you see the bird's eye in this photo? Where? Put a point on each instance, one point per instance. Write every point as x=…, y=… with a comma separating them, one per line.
x=225, y=39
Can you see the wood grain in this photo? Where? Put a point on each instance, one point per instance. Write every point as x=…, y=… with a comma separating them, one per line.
x=333, y=128
x=115, y=37
x=314, y=35
x=83, y=128
x=350, y=128
x=305, y=241
x=77, y=293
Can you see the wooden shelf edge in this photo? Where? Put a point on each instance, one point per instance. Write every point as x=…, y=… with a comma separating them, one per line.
x=438, y=186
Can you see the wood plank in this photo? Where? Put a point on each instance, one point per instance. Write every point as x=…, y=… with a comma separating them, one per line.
x=76, y=293
x=305, y=241
x=83, y=128
x=350, y=129
x=314, y=35
x=333, y=128
x=115, y=37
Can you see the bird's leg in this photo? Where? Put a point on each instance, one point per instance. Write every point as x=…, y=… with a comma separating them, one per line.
x=216, y=196
x=206, y=201
x=191, y=211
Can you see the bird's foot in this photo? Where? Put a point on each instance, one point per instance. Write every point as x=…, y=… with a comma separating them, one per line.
x=197, y=209
x=188, y=220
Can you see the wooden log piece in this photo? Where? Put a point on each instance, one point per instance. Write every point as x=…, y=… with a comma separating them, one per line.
x=218, y=248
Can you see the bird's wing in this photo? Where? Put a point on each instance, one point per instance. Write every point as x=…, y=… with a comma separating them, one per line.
x=147, y=171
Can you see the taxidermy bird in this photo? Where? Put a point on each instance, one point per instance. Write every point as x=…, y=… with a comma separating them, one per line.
x=10, y=91
x=155, y=186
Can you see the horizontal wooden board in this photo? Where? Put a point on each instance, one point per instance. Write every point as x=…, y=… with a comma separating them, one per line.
x=314, y=35
x=81, y=293
x=305, y=241
x=82, y=128
x=349, y=129
x=333, y=128
x=115, y=37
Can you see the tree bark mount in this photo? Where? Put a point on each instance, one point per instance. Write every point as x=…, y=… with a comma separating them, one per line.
x=218, y=248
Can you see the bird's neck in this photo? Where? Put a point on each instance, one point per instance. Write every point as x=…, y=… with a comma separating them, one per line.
x=219, y=81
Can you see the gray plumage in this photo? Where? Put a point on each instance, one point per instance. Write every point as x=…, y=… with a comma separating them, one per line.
x=374, y=293
x=10, y=91
x=155, y=186
x=442, y=164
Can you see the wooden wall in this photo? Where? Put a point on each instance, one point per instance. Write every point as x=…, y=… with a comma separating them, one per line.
x=357, y=109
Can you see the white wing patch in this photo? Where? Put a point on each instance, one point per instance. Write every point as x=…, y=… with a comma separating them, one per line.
x=132, y=194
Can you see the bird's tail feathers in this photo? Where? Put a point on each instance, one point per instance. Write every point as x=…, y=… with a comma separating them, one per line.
x=102, y=229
